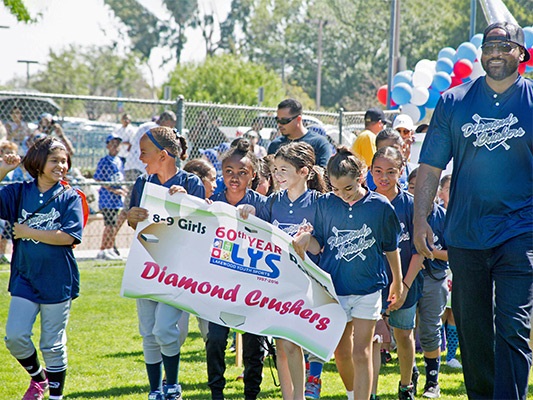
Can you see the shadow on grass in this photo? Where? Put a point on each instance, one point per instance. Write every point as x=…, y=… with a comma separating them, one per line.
x=109, y=393
x=125, y=354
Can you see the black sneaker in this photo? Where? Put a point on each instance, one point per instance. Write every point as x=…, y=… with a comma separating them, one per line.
x=405, y=392
x=414, y=379
x=431, y=390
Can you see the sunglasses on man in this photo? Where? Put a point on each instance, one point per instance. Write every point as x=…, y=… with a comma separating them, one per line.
x=502, y=47
x=285, y=121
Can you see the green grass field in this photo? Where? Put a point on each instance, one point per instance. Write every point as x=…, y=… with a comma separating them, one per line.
x=106, y=361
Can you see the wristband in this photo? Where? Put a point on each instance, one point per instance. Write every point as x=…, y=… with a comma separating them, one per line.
x=408, y=288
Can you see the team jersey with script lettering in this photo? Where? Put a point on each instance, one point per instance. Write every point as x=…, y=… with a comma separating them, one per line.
x=289, y=215
x=251, y=197
x=490, y=137
x=403, y=205
x=192, y=184
x=41, y=272
x=354, y=238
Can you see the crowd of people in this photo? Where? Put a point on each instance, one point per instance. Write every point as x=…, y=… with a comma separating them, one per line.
x=416, y=224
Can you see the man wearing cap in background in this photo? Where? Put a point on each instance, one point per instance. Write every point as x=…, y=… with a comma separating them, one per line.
x=486, y=126
x=403, y=123
x=364, y=145
x=126, y=132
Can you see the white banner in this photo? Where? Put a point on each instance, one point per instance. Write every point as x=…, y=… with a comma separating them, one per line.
x=240, y=273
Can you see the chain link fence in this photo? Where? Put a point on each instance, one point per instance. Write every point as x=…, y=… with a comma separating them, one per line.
x=87, y=121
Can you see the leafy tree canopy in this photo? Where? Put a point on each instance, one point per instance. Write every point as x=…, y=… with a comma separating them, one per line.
x=18, y=9
x=226, y=79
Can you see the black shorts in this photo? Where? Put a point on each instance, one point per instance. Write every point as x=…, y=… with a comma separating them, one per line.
x=110, y=216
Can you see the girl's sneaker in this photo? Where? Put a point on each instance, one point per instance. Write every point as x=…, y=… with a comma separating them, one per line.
x=36, y=390
x=172, y=392
x=454, y=363
x=156, y=395
x=312, y=388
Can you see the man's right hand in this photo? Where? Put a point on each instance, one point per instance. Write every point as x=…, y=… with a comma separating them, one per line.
x=423, y=238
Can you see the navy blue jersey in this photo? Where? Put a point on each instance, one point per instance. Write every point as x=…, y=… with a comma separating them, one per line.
x=109, y=169
x=318, y=142
x=251, y=197
x=190, y=182
x=289, y=215
x=490, y=137
x=40, y=272
x=437, y=220
x=403, y=205
x=354, y=238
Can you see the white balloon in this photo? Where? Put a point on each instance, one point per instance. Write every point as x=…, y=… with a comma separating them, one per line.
x=424, y=64
x=420, y=95
x=422, y=77
x=413, y=111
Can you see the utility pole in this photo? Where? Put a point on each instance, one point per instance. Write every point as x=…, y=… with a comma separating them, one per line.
x=321, y=24
x=394, y=46
x=28, y=62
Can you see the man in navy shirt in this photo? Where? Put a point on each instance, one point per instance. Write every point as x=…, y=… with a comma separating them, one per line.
x=486, y=125
x=291, y=127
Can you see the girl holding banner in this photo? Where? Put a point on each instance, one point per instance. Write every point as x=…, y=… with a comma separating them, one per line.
x=294, y=206
x=354, y=227
x=158, y=322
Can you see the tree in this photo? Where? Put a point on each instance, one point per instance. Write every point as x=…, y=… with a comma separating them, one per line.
x=146, y=31
x=18, y=9
x=226, y=79
x=97, y=71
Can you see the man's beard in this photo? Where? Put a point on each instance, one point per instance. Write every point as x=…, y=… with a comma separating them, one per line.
x=499, y=73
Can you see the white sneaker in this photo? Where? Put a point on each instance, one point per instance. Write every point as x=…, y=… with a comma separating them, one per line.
x=454, y=363
x=107, y=254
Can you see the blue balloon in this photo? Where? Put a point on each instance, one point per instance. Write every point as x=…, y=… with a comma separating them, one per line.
x=441, y=81
x=422, y=113
x=477, y=39
x=444, y=65
x=528, y=36
x=467, y=79
x=466, y=50
x=529, y=68
x=447, y=52
x=403, y=76
x=434, y=96
x=401, y=93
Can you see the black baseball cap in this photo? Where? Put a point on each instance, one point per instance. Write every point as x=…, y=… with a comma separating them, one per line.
x=513, y=33
x=375, y=114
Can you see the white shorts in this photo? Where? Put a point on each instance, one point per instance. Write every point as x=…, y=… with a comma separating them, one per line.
x=367, y=306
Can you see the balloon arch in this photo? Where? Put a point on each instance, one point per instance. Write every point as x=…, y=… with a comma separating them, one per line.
x=419, y=90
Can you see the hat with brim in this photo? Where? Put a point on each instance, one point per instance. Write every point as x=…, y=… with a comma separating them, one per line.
x=513, y=33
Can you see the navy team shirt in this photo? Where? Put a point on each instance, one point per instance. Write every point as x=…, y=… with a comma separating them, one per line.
x=289, y=215
x=437, y=268
x=354, y=239
x=251, y=197
x=490, y=137
x=43, y=273
x=403, y=205
x=318, y=142
x=192, y=184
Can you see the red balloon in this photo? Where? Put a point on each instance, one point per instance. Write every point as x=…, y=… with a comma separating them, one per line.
x=456, y=81
x=530, y=62
x=521, y=68
x=382, y=94
x=463, y=68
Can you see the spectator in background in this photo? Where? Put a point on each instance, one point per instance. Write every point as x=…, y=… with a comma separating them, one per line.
x=126, y=132
x=403, y=123
x=253, y=137
x=17, y=128
x=110, y=199
x=48, y=126
x=3, y=131
x=364, y=145
x=292, y=129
